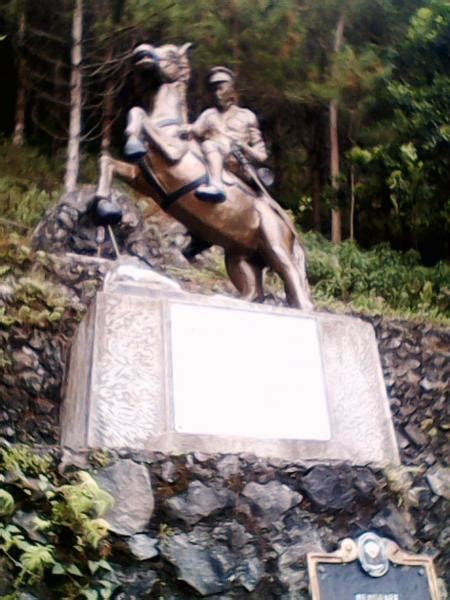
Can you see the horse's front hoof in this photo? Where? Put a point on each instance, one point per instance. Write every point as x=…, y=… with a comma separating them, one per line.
x=107, y=212
x=210, y=193
x=195, y=247
x=134, y=150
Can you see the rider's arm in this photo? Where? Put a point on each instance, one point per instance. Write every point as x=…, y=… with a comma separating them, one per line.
x=201, y=126
x=255, y=150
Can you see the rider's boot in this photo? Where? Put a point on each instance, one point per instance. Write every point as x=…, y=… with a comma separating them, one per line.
x=212, y=191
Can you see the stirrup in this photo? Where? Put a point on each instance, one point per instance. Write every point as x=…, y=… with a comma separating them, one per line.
x=134, y=150
x=210, y=193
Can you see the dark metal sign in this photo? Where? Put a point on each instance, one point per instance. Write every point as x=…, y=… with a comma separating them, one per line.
x=371, y=568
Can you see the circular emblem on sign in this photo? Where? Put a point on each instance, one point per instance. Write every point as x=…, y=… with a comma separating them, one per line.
x=372, y=555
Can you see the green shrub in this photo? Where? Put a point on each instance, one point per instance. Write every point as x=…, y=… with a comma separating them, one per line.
x=52, y=534
x=23, y=202
x=378, y=280
x=28, y=296
x=31, y=179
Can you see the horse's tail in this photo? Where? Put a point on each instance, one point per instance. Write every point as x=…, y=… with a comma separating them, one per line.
x=299, y=259
x=280, y=212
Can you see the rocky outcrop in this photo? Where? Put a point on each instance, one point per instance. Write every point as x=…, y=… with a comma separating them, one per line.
x=245, y=532
x=71, y=226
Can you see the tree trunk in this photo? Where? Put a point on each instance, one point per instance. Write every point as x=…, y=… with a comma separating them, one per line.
x=19, y=126
x=73, y=146
x=317, y=219
x=117, y=7
x=352, y=202
x=336, y=217
x=108, y=106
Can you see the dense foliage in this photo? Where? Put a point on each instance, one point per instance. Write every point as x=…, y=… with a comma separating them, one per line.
x=27, y=297
x=52, y=535
x=30, y=181
x=343, y=278
x=379, y=281
x=389, y=78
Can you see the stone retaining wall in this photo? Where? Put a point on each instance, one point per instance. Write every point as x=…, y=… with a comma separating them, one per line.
x=243, y=524
x=228, y=526
x=240, y=526
x=416, y=366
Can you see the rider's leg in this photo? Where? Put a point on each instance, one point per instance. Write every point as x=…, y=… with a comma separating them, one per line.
x=214, y=159
x=213, y=191
x=134, y=146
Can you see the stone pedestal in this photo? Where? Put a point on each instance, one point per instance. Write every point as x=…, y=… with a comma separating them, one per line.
x=155, y=368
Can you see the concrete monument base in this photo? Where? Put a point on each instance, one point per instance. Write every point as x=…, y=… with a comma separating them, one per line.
x=156, y=368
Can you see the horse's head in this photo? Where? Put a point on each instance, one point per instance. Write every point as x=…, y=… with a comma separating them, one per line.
x=170, y=62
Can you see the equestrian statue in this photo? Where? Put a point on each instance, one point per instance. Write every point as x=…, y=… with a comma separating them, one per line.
x=204, y=174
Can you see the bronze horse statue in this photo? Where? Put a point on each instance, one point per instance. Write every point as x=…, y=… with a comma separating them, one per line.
x=251, y=227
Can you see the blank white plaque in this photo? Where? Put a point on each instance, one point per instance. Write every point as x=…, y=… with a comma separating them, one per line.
x=242, y=373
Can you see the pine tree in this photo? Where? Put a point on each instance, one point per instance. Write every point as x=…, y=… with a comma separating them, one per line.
x=73, y=146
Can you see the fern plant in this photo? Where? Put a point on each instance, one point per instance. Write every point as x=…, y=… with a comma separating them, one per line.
x=61, y=549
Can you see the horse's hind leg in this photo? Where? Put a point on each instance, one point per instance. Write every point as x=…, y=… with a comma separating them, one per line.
x=245, y=275
x=277, y=247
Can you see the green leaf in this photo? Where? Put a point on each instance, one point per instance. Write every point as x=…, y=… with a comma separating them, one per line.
x=13, y=529
x=41, y=524
x=74, y=570
x=58, y=569
x=89, y=594
x=106, y=593
x=35, y=559
x=104, y=564
x=409, y=151
x=7, y=504
x=93, y=566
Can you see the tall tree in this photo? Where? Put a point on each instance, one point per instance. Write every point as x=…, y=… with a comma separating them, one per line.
x=73, y=146
x=336, y=218
x=19, y=125
x=116, y=12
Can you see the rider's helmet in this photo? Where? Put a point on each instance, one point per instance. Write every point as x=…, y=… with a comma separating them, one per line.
x=219, y=74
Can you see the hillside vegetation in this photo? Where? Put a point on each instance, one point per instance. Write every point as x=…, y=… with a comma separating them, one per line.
x=343, y=276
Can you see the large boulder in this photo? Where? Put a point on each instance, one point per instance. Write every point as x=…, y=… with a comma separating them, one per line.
x=71, y=226
x=129, y=484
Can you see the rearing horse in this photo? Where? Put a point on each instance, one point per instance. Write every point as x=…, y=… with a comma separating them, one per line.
x=252, y=228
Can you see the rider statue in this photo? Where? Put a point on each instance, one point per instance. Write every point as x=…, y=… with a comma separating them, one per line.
x=228, y=135
x=248, y=223
x=226, y=132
